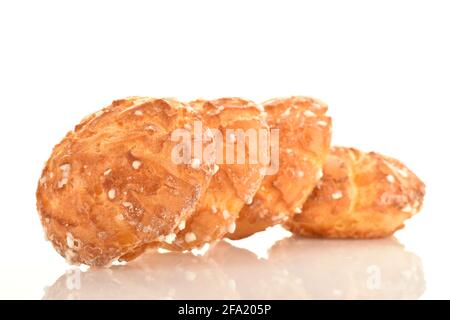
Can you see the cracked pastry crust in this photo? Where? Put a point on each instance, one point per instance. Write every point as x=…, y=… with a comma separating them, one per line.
x=361, y=195
x=110, y=187
x=305, y=134
x=234, y=184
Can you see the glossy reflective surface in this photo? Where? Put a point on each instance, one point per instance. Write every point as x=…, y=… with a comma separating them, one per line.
x=294, y=269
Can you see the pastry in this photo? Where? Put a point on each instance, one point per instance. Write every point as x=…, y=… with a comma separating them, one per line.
x=304, y=141
x=110, y=186
x=235, y=182
x=361, y=195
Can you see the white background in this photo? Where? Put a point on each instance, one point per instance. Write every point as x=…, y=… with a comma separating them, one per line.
x=382, y=66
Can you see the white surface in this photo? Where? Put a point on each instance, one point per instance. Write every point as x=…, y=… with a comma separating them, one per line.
x=383, y=67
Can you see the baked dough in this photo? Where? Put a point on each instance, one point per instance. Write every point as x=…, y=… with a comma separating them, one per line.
x=110, y=187
x=305, y=134
x=234, y=184
x=361, y=195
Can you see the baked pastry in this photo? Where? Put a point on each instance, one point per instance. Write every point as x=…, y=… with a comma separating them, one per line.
x=235, y=181
x=304, y=142
x=122, y=181
x=361, y=195
x=110, y=187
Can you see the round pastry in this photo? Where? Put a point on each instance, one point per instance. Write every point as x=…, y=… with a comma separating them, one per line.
x=304, y=141
x=236, y=179
x=361, y=195
x=111, y=186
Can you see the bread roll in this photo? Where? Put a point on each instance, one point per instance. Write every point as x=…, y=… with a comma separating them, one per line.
x=361, y=195
x=234, y=183
x=110, y=187
x=304, y=142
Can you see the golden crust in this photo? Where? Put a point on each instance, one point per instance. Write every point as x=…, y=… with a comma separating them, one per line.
x=305, y=134
x=110, y=187
x=234, y=184
x=361, y=195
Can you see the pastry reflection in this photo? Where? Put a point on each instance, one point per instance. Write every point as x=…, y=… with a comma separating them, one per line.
x=348, y=269
x=296, y=269
x=152, y=276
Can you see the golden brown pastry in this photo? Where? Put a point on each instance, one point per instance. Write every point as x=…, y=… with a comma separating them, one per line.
x=234, y=183
x=110, y=187
x=304, y=142
x=361, y=195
